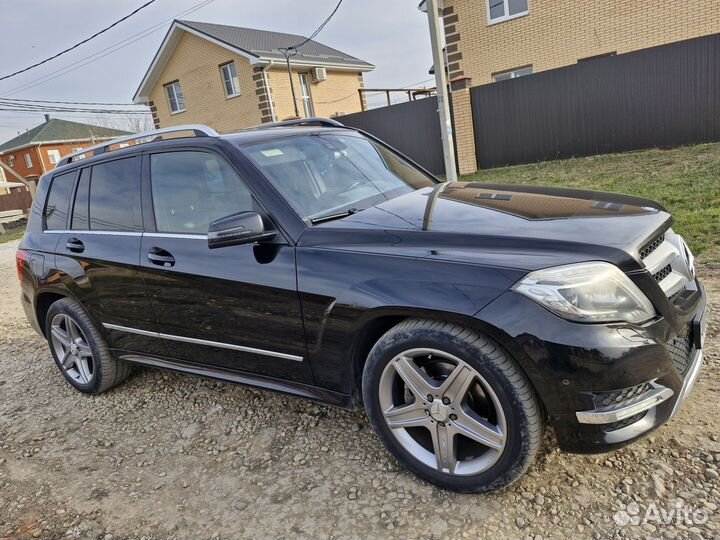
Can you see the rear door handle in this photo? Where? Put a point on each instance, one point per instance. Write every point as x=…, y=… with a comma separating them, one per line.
x=75, y=245
x=160, y=257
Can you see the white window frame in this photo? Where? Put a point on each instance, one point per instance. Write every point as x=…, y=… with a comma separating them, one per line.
x=305, y=97
x=28, y=160
x=177, y=95
x=226, y=76
x=513, y=73
x=506, y=10
x=54, y=155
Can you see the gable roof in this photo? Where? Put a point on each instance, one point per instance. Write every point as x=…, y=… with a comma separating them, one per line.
x=56, y=130
x=258, y=46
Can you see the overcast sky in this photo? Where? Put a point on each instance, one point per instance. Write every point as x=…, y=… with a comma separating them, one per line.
x=392, y=34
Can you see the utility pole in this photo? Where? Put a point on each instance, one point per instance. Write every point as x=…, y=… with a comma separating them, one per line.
x=443, y=97
x=287, y=54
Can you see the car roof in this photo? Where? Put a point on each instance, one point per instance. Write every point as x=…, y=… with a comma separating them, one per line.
x=238, y=138
x=252, y=135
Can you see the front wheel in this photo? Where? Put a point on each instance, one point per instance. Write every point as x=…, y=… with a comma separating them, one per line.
x=452, y=406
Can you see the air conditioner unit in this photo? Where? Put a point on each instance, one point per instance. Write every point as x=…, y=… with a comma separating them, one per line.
x=319, y=74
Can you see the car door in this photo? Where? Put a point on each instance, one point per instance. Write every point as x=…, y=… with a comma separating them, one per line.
x=100, y=252
x=235, y=307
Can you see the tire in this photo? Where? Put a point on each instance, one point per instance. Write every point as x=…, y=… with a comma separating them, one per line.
x=486, y=432
x=81, y=354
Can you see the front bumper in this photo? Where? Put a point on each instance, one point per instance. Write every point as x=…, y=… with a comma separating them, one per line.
x=603, y=386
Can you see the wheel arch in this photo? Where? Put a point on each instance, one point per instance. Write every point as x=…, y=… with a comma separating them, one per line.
x=43, y=301
x=377, y=322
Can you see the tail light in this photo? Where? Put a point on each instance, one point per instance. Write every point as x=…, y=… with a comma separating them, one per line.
x=20, y=257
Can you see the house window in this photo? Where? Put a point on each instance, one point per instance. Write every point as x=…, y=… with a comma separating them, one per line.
x=54, y=156
x=512, y=74
x=11, y=161
x=175, y=97
x=504, y=10
x=230, y=80
x=28, y=161
x=305, y=97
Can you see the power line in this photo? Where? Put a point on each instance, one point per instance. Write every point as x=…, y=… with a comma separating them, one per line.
x=68, y=102
x=319, y=28
x=58, y=108
x=96, y=34
x=107, y=50
x=63, y=111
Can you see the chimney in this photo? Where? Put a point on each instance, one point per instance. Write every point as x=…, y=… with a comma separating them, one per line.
x=47, y=117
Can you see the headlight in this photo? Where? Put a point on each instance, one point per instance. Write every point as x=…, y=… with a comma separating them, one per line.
x=587, y=292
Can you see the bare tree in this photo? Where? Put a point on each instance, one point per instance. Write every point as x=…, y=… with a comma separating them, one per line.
x=134, y=123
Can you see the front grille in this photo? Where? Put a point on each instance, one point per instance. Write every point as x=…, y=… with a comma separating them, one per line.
x=608, y=399
x=624, y=423
x=681, y=351
x=667, y=259
x=652, y=246
x=662, y=273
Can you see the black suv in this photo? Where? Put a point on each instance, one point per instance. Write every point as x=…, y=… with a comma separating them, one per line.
x=315, y=260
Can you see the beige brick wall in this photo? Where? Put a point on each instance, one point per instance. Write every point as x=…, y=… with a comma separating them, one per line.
x=559, y=32
x=464, y=131
x=195, y=63
x=339, y=93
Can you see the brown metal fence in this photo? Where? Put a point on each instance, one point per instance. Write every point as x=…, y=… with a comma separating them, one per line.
x=659, y=97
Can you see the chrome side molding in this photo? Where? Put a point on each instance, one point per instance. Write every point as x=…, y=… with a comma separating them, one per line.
x=207, y=343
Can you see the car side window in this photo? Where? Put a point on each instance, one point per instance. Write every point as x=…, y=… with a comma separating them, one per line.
x=191, y=189
x=58, y=201
x=115, y=195
x=80, y=214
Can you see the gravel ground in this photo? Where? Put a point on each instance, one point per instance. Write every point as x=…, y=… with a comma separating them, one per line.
x=174, y=456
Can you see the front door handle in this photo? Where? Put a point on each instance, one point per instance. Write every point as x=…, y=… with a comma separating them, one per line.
x=160, y=257
x=75, y=245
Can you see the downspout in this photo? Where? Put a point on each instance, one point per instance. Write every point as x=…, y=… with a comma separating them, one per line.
x=266, y=82
x=40, y=158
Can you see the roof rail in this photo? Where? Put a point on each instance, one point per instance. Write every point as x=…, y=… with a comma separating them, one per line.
x=198, y=130
x=323, y=122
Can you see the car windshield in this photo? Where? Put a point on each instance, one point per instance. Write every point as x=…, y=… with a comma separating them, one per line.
x=324, y=175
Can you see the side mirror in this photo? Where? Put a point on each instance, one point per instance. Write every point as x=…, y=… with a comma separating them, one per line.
x=240, y=228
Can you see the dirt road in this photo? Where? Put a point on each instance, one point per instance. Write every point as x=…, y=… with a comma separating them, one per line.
x=173, y=456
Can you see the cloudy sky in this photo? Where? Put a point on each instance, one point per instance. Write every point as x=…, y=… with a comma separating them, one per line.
x=393, y=35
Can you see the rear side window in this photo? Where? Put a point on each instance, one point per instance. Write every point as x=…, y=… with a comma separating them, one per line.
x=80, y=216
x=192, y=189
x=58, y=201
x=115, y=195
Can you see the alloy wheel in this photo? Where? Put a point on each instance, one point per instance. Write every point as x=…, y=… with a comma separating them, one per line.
x=442, y=411
x=72, y=348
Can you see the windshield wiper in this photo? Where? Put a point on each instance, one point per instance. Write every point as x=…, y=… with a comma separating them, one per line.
x=337, y=215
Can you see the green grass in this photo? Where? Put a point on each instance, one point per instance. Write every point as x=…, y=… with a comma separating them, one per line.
x=12, y=234
x=685, y=180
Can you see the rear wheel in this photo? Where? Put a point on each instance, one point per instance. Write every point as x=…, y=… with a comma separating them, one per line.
x=452, y=406
x=79, y=350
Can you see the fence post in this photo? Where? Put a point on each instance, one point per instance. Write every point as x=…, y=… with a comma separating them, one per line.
x=464, y=128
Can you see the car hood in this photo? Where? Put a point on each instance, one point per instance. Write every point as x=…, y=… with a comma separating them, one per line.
x=520, y=226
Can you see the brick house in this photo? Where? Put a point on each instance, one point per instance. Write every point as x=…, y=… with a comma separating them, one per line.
x=37, y=151
x=493, y=40
x=230, y=78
